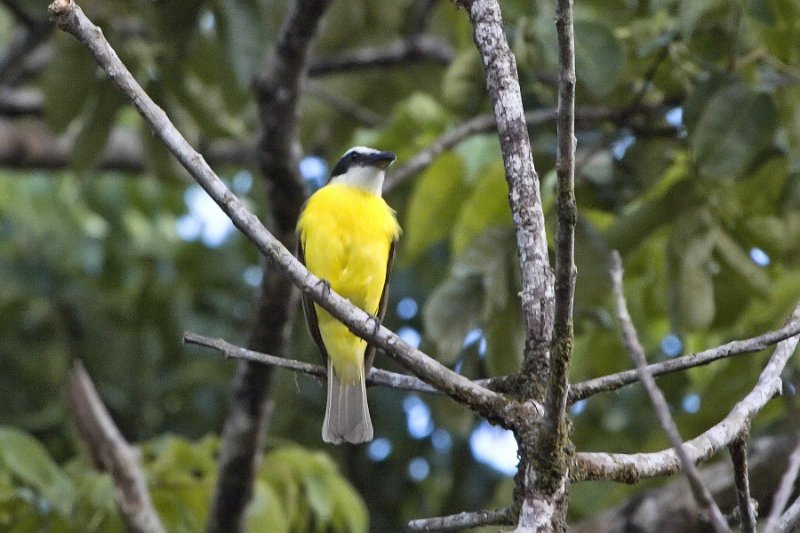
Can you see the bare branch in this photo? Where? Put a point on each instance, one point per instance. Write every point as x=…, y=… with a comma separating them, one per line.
x=790, y=519
x=483, y=401
x=502, y=83
x=110, y=450
x=278, y=89
x=784, y=492
x=741, y=475
x=377, y=376
x=631, y=468
x=457, y=522
x=419, y=48
x=584, y=389
x=636, y=351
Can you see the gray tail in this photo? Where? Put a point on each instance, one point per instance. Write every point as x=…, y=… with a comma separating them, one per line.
x=346, y=413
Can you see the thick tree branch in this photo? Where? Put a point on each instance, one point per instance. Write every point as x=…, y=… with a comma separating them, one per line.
x=483, y=401
x=741, y=477
x=538, y=509
x=418, y=48
x=112, y=452
x=636, y=351
x=460, y=521
x=278, y=89
x=631, y=468
x=611, y=382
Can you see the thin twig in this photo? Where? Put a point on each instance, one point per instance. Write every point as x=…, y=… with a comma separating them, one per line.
x=785, y=489
x=790, y=520
x=636, y=351
x=110, y=450
x=483, y=401
x=457, y=522
x=421, y=47
x=278, y=89
x=741, y=476
x=611, y=382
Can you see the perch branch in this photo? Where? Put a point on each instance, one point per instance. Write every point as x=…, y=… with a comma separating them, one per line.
x=495, y=407
x=636, y=351
x=631, y=468
x=110, y=450
x=790, y=519
x=611, y=382
x=741, y=476
x=457, y=522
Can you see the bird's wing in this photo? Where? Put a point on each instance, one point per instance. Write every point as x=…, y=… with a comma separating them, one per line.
x=369, y=356
x=310, y=311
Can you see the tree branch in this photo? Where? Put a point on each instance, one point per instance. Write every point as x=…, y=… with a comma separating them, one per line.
x=790, y=520
x=631, y=468
x=611, y=382
x=741, y=476
x=278, y=89
x=110, y=450
x=457, y=522
x=418, y=48
x=483, y=401
x=784, y=492
x=636, y=351
x=671, y=508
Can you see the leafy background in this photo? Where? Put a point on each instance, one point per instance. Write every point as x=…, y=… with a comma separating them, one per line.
x=692, y=175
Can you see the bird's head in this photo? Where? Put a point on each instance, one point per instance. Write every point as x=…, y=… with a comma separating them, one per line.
x=363, y=167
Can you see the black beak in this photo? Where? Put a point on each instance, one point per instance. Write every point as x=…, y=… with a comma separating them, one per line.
x=381, y=159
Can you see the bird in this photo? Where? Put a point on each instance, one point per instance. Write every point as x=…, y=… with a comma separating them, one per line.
x=347, y=235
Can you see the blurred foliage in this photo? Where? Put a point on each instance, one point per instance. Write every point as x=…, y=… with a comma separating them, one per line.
x=694, y=180
x=296, y=489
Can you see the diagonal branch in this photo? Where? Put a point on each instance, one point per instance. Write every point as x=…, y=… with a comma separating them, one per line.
x=636, y=351
x=632, y=468
x=784, y=492
x=110, y=450
x=611, y=382
x=489, y=404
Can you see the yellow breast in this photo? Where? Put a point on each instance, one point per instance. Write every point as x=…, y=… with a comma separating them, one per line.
x=346, y=234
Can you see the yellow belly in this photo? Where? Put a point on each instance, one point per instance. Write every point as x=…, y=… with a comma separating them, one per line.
x=346, y=234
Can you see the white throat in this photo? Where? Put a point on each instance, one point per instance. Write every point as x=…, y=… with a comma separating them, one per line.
x=367, y=178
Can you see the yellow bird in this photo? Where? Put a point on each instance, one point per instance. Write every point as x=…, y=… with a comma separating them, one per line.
x=346, y=236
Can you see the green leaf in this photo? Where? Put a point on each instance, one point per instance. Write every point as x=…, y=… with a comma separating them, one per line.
x=241, y=33
x=695, y=291
x=27, y=460
x=738, y=260
x=265, y=512
x=435, y=202
x=67, y=82
x=486, y=206
x=691, y=13
x=488, y=256
x=736, y=126
x=598, y=57
x=319, y=500
x=463, y=83
x=505, y=339
x=91, y=141
x=452, y=310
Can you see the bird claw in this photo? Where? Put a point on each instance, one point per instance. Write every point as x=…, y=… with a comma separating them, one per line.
x=326, y=286
x=376, y=324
